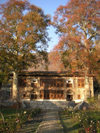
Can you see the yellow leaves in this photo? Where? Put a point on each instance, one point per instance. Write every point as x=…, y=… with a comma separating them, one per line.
x=21, y=27
x=35, y=8
x=33, y=19
x=30, y=38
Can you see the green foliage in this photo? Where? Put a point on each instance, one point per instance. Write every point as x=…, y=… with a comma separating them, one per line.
x=35, y=112
x=14, y=119
x=3, y=77
x=81, y=121
x=91, y=100
x=96, y=85
x=23, y=35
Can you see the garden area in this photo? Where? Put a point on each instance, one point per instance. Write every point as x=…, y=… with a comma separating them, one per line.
x=80, y=121
x=19, y=120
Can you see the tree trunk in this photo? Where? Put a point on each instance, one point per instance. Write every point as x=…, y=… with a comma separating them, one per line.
x=15, y=86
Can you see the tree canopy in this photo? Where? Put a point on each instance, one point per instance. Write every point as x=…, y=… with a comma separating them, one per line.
x=78, y=23
x=23, y=34
x=23, y=39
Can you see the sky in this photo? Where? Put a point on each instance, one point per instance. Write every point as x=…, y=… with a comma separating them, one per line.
x=49, y=7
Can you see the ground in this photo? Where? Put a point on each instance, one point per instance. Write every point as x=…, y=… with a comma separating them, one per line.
x=46, y=121
x=55, y=120
x=50, y=123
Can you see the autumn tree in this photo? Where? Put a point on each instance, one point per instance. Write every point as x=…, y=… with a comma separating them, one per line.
x=23, y=37
x=55, y=62
x=78, y=22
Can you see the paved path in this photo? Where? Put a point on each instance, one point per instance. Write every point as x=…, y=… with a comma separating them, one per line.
x=50, y=123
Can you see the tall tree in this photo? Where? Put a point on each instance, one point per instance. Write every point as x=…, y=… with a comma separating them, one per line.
x=55, y=62
x=78, y=22
x=23, y=36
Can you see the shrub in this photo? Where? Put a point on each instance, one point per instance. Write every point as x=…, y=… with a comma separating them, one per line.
x=14, y=121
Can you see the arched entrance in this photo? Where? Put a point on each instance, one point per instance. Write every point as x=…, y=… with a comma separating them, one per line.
x=69, y=95
x=33, y=96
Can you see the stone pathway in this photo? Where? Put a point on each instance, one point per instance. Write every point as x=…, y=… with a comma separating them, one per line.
x=50, y=123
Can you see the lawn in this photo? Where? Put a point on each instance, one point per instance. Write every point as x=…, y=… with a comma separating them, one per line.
x=80, y=121
x=12, y=120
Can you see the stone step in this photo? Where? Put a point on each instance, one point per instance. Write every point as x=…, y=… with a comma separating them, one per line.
x=49, y=104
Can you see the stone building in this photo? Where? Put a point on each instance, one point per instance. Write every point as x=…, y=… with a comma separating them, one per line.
x=55, y=86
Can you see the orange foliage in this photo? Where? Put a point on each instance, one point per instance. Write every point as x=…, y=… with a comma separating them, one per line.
x=55, y=63
x=78, y=23
x=22, y=26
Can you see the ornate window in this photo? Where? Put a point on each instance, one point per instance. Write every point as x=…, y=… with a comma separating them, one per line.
x=52, y=82
x=21, y=82
x=79, y=97
x=69, y=84
x=33, y=85
x=80, y=83
x=24, y=95
x=51, y=94
x=33, y=96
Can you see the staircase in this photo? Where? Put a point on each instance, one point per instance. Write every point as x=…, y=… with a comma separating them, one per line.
x=52, y=105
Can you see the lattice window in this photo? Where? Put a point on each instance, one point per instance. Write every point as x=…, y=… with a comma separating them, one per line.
x=81, y=83
x=79, y=97
x=51, y=94
x=34, y=85
x=52, y=82
x=24, y=95
x=21, y=82
x=42, y=94
x=69, y=84
x=33, y=96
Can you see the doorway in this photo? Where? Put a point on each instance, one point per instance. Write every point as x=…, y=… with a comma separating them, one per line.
x=46, y=94
x=69, y=95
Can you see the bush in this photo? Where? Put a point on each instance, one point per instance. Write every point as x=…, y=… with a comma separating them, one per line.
x=85, y=121
x=9, y=123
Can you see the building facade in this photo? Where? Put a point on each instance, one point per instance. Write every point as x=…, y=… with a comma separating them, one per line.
x=55, y=86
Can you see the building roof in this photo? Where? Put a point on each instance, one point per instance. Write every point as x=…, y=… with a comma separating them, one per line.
x=52, y=73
